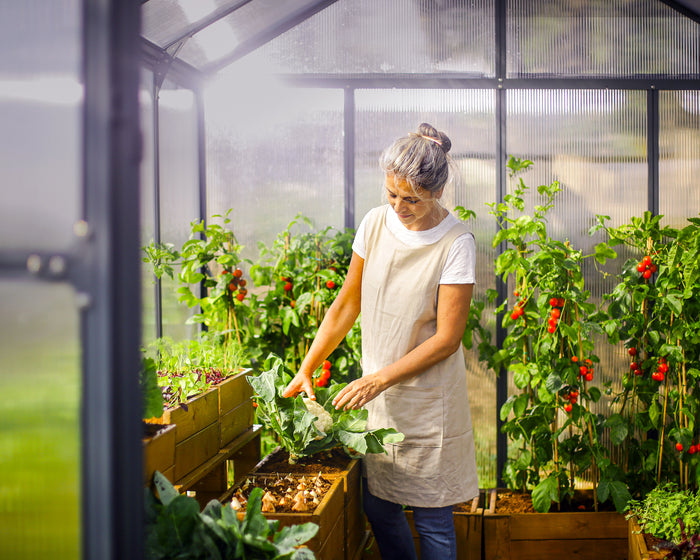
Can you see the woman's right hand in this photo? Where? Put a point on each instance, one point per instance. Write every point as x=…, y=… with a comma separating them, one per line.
x=300, y=384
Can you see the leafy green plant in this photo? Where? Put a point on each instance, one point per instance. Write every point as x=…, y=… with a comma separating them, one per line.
x=150, y=390
x=176, y=529
x=190, y=367
x=657, y=513
x=655, y=311
x=306, y=428
x=549, y=349
x=209, y=276
x=297, y=279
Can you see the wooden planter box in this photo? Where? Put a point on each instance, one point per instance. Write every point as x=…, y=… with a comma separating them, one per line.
x=159, y=454
x=353, y=519
x=637, y=546
x=329, y=542
x=552, y=536
x=468, y=529
x=235, y=407
x=211, y=422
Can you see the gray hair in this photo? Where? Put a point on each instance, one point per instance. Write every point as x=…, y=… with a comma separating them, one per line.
x=420, y=158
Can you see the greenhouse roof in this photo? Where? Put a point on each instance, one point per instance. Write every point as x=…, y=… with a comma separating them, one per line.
x=194, y=39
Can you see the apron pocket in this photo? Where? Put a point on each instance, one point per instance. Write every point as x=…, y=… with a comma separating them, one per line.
x=417, y=412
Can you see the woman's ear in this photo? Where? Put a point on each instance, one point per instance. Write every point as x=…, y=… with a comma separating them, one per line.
x=438, y=194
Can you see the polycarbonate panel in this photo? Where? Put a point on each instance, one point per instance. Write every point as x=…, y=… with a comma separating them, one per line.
x=619, y=38
x=594, y=144
x=679, y=162
x=40, y=112
x=468, y=118
x=39, y=422
x=147, y=181
x=274, y=152
x=165, y=21
x=254, y=18
x=391, y=36
x=179, y=193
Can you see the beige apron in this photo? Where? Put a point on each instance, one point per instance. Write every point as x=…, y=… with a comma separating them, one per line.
x=435, y=465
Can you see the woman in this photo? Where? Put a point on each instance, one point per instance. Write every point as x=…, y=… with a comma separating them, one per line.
x=411, y=277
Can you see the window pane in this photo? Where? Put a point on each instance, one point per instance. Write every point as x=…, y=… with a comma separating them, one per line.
x=274, y=152
x=359, y=36
x=179, y=192
x=468, y=118
x=601, y=38
x=40, y=112
x=679, y=162
x=40, y=435
x=594, y=144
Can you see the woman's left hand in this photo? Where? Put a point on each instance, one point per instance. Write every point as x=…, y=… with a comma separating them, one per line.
x=358, y=393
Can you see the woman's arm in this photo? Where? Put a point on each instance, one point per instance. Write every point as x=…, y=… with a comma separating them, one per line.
x=337, y=322
x=452, y=312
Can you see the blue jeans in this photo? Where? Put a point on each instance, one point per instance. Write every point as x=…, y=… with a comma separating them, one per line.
x=435, y=528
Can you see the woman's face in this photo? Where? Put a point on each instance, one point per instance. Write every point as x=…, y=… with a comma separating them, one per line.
x=417, y=209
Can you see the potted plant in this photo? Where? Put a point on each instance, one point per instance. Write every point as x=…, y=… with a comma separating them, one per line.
x=205, y=395
x=299, y=499
x=312, y=431
x=665, y=524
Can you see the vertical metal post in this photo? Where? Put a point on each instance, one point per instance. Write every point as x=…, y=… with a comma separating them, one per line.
x=112, y=472
x=349, y=156
x=501, y=287
x=653, y=150
x=202, y=177
x=158, y=287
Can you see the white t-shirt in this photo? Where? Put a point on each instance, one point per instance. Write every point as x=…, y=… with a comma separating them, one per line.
x=461, y=259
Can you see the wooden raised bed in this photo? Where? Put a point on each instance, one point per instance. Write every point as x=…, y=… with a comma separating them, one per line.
x=210, y=422
x=235, y=407
x=551, y=536
x=329, y=542
x=468, y=529
x=335, y=464
x=159, y=452
x=637, y=544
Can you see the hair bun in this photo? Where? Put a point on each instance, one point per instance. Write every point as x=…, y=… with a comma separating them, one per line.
x=440, y=138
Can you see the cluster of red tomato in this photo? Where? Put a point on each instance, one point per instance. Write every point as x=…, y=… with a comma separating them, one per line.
x=556, y=304
x=692, y=449
x=572, y=398
x=585, y=372
x=322, y=379
x=237, y=283
x=658, y=375
x=646, y=268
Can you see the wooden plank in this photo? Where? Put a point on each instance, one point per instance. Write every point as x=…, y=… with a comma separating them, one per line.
x=234, y=422
x=234, y=391
x=496, y=541
x=202, y=411
x=196, y=450
x=468, y=530
x=553, y=526
x=636, y=545
x=578, y=549
x=159, y=453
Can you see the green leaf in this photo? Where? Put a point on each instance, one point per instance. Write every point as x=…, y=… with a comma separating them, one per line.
x=618, y=429
x=553, y=383
x=603, y=252
x=546, y=492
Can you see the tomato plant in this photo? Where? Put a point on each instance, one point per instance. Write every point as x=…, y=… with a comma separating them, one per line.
x=297, y=279
x=655, y=311
x=549, y=350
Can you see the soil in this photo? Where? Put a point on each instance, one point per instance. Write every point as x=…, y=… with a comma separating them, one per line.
x=150, y=430
x=510, y=501
x=333, y=461
x=658, y=548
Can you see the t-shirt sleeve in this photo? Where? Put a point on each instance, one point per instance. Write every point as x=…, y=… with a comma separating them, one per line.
x=358, y=244
x=461, y=262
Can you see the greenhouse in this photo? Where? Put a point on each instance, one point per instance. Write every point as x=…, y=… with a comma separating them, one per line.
x=183, y=185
